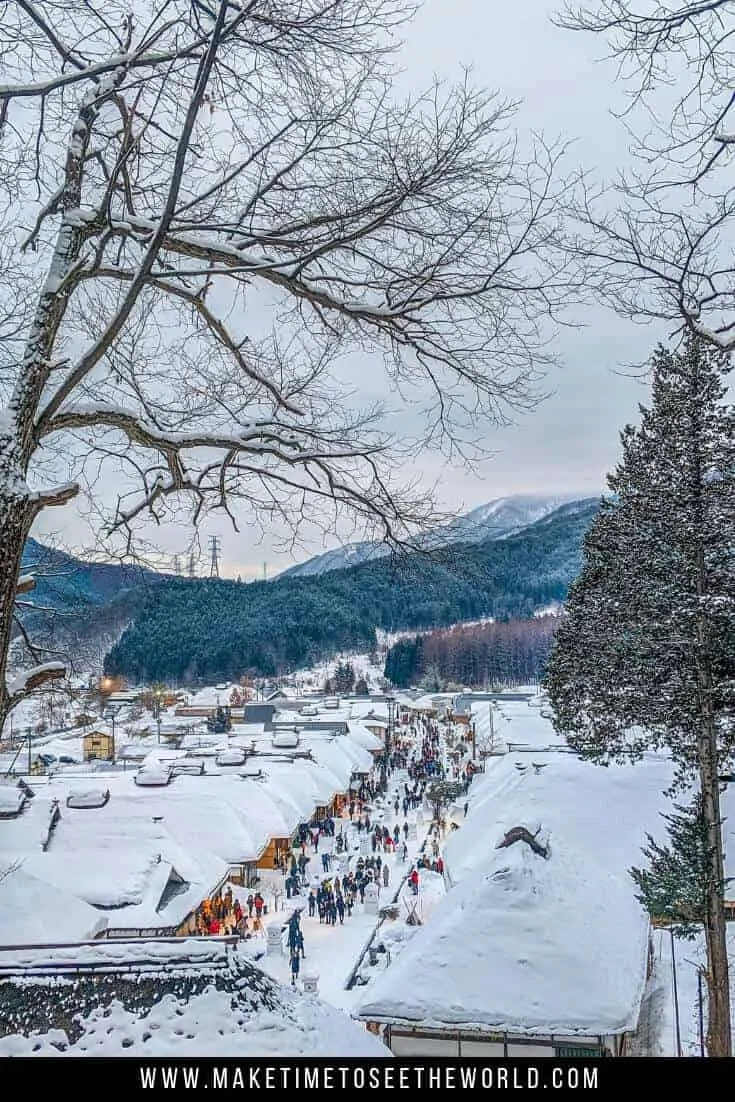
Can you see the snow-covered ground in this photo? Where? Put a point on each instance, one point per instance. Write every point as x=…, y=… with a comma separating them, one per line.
x=593, y=819
x=332, y=952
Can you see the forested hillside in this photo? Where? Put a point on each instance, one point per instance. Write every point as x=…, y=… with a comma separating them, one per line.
x=512, y=652
x=67, y=583
x=216, y=629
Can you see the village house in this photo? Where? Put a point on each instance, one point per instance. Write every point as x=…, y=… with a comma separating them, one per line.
x=98, y=745
x=540, y=947
x=144, y=848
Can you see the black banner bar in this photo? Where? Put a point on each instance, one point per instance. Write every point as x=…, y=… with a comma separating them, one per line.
x=583, y=1076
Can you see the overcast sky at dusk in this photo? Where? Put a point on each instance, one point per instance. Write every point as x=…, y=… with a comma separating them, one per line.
x=571, y=439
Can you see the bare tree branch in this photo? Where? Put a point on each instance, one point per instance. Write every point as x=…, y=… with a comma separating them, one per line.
x=240, y=235
x=660, y=241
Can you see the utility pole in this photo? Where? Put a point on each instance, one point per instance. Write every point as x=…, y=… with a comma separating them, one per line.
x=177, y=564
x=192, y=566
x=389, y=736
x=158, y=713
x=265, y=571
x=214, y=554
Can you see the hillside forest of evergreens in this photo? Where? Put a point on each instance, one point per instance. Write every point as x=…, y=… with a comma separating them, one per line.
x=475, y=656
x=193, y=630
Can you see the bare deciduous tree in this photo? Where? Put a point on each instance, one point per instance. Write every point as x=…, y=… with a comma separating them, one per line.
x=662, y=249
x=223, y=204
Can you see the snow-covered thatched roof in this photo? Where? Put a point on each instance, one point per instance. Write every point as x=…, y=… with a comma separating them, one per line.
x=193, y=998
x=527, y=944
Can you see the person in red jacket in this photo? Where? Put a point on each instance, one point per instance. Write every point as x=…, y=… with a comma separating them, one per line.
x=214, y=927
x=414, y=881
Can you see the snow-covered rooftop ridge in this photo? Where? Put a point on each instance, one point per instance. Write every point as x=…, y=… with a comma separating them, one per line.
x=527, y=944
x=143, y=953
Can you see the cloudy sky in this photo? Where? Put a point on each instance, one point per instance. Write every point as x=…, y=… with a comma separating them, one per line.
x=570, y=440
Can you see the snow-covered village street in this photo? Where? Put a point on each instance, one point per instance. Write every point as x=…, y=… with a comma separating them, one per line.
x=367, y=515
x=440, y=870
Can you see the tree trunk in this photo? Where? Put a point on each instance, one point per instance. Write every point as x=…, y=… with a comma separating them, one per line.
x=719, y=1034
x=15, y=521
x=719, y=1041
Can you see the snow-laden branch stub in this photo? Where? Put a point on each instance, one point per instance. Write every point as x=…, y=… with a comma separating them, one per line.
x=28, y=680
x=54, y=495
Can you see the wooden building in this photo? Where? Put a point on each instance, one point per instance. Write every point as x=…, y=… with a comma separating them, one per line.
x=276, y=851
x=98, y=746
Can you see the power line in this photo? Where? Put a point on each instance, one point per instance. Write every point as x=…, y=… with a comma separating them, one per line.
x=214, y=551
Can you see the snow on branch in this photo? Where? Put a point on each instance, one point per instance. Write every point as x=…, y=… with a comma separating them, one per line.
x=26, y=583
x=27, y=681
x=260, y=436
x=55, y=495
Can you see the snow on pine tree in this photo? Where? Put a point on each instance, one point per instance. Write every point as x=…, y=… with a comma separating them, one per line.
x=206, y=207
x=645, y=655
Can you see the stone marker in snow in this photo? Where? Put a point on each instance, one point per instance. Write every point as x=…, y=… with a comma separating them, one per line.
x=371, y=899
x=274, y=937
x=311, y=983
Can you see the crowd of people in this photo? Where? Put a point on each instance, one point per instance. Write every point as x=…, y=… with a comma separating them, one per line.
x=321, y=869
x=223, y=914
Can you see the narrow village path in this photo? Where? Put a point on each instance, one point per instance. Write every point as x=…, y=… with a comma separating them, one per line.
x=331, y=952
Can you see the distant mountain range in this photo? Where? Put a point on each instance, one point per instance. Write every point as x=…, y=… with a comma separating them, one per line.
x=65, y=582
x=497, y=520
x=214, y=629
x=509, y=558
x=79, y=608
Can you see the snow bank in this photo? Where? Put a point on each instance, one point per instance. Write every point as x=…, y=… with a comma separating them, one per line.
x=88, y=797
x=12, y=799
x=153, y=775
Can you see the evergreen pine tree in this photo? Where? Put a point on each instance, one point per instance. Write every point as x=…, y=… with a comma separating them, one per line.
x=344, y=678
x=645, y=655
x=674, y=887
